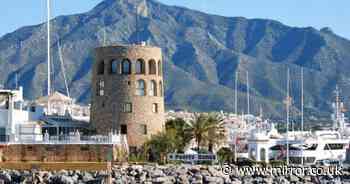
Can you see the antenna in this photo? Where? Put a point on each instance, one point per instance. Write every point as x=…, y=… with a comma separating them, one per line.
x=48, y=56
x=248, y=102
x=63, y=68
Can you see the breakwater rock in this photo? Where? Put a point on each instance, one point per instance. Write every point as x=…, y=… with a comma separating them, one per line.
x=168, y=174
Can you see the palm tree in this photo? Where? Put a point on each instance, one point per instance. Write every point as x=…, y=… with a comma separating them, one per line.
x=177, y=127
x=160, y=145
x=198, y=129
x=217, y=131
x=207, y=130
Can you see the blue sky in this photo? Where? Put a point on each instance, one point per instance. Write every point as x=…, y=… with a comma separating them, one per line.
x=301, y=13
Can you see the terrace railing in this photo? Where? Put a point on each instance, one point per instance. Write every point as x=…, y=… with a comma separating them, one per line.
x=65, y=139
x=191, y=158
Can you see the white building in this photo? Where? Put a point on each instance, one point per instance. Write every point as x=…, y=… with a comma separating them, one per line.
x=15, y=115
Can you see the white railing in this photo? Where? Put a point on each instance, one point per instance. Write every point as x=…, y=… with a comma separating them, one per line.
x=191, y=157
x=116, y=139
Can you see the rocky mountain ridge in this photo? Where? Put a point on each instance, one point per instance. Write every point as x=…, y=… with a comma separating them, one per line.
x=201, y=52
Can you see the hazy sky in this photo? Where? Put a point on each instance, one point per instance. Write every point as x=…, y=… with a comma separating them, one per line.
x=302, y=13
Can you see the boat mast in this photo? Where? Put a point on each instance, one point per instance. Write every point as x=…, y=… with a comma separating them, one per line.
x=48, y=57
x=236, y=105
x=302, y=99
x=302, y=110
x=248, y=102
x=287, y=108
x=236, y=93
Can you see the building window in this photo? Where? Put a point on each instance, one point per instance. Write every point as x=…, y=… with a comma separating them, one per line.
x=140, y=67
x=101, y=68
x=152, y=67
x=140, y=88
x=155, y=108
x=126, y=67
x=127, y=107
x=101, y=88
x=114, y=66
x=144, y=129
x=123, y=129
x=153, y=88
x=160, y=88
x=160, y=69
x=32, y=108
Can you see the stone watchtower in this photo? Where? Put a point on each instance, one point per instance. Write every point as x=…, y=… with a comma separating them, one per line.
x=127, y=91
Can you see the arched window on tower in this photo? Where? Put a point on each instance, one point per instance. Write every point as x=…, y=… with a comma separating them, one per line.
x=114, y=66
x=153, y=88
x=140, y=88
x=152, y=67
x=101, y=68
x=140, y=66
x=160, y=69
x=126, y=66
x=160, y=88
x=100, y=91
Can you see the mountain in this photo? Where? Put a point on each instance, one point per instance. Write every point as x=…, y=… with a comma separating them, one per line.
x=202, y=52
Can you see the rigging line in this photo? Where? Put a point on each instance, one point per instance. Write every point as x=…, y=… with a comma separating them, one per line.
x=236, y=93
x=63, y=68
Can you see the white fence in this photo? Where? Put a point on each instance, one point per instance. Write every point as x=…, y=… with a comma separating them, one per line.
x=116, y=139
x=192, y=158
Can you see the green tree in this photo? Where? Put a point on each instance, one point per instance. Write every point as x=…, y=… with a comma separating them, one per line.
x=199, y=128
x=178, y=128
x=160, y=145
x=216, y=132
x=225, y=155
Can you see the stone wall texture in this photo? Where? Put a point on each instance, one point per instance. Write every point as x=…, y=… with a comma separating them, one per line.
x=107, y=111
x=58, y=153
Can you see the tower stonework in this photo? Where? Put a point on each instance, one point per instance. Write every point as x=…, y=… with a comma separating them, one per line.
x=127, y=91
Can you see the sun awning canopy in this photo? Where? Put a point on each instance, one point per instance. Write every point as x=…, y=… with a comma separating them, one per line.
x=59, y=121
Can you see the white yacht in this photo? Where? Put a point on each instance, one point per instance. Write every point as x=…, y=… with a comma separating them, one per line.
x=324, y=144
x=310, y=146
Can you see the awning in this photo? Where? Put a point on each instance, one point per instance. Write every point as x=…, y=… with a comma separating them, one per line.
x=63, y=121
